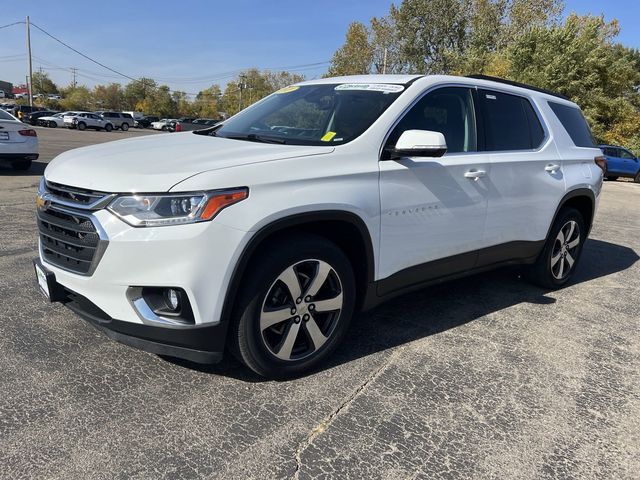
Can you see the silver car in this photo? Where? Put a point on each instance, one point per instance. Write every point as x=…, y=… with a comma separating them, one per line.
x=119, y=120
x=83, y=121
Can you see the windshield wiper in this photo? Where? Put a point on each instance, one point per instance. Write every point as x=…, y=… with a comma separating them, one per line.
x=252, y=137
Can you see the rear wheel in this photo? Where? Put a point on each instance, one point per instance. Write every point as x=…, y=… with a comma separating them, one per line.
x=294, y=308
x=558, y=261
x=82, y=126
x=21, y=165
x=124, y=127
x=613, y=178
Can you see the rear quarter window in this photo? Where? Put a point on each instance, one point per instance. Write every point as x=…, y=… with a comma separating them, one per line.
x=574, y=123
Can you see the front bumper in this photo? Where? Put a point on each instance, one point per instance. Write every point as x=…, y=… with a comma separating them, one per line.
x=196, y=343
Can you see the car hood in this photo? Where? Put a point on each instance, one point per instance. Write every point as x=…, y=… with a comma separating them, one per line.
x=155, y=163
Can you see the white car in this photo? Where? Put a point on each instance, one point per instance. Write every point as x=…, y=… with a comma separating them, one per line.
x=56, y=120
x=162, y=124
x=85, y=120
x=265, y=233
x=18, y=142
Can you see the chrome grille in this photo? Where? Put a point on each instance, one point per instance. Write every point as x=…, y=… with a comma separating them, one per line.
x=79, y=196
x=70, y=236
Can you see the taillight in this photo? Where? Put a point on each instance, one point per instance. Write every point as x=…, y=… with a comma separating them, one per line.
x=602, y=163
x=28, y=133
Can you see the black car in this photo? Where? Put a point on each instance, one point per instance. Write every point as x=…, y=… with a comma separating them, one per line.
x=146, y=121
x=32, y=118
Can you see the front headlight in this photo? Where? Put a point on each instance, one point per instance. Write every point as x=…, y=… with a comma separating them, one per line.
x=174, y=209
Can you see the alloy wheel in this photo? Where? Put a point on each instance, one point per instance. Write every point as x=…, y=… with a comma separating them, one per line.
x=301, y=310
x=565, y=249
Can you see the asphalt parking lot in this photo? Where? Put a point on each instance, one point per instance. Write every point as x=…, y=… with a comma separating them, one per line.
x=486, y=377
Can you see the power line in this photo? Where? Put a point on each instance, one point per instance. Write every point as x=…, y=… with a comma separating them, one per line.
x=11, y=24
x=83, y=55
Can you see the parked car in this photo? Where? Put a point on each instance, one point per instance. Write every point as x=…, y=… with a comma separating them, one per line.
x=136, y=115
x=56, y=120
x=265, y=233
x=119, y=120
x=145, y=122
x=33, y=117
x=54, y=96
x=18, y=142
x=82, y=121
x=162, y=124
x=621, y=163
x=21, y=111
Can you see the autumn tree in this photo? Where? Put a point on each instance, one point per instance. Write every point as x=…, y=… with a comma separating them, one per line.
x=355, y=56
x=42, y=84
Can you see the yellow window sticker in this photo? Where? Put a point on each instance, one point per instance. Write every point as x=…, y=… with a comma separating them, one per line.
x=327, y=137
x=290, y=88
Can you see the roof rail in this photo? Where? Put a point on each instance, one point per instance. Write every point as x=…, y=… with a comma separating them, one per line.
x=518, y=84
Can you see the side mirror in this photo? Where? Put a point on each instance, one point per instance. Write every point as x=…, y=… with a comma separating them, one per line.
x=419, y=143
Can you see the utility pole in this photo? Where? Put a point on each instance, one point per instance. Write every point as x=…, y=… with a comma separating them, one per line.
x=29, y=85
x=384, y=62
x=74, y=71
x=241, y=86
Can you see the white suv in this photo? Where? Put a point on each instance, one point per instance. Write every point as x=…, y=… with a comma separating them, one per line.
x=265, y=233
x=85, y=120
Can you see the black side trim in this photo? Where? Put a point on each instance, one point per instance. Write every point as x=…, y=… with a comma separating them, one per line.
x=199, y=343
x=456, y=266
x=287, y=222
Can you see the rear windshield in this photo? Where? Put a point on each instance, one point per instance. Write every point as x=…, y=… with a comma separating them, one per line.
x=574, y=123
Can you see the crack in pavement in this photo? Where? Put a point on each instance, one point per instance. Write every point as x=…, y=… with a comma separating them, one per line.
x=328, y=420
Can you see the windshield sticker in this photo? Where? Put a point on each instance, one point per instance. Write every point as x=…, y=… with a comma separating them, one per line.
x=328, y=136
x=291, y=88
x=372, y=87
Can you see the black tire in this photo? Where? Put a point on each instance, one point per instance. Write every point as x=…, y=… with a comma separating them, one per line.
x=21, y=165
x=637, y=178
x=255, y=346
x=612, y=178
x=53, y=124
x=82, y=126
x=543, y=273
x=124, y=127
x=165, y=128
x=108, y=127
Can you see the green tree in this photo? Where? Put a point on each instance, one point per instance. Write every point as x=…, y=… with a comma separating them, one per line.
x=76, y=98
x=42, y=84
x=109, y=97
x=356, y=55
x=207, y=102
x=136, y=91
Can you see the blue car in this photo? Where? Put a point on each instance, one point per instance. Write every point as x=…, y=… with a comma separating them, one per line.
x=621, y=163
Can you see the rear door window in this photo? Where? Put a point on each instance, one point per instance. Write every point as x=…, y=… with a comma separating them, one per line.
x=574, y=123
x=510, y=122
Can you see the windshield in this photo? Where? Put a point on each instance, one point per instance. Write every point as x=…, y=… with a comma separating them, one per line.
x=327, y=114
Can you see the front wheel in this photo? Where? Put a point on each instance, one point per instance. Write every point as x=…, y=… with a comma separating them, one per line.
x=637, y=178
x=108, y=127
x=294, y=308
x=82, y=126
x=124, y=127
x=53, y=124
x=559, y=258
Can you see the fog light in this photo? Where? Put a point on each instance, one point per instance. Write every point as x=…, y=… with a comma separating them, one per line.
x=173, y=298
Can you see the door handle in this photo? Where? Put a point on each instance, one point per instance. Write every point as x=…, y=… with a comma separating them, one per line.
x=552, y=168
x=475, y=174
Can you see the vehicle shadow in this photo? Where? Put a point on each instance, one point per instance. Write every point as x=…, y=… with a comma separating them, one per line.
x=442, y=307
x=37, y=168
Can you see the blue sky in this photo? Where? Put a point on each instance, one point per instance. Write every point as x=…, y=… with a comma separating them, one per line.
x=190, y=44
